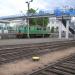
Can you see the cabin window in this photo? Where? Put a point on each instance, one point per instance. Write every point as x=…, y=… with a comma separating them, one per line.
x=19, y=31
x=38, y=28
x=0, y=28
x=44, y=28
x=29, y=28
x=5, y=28
x=24, y=27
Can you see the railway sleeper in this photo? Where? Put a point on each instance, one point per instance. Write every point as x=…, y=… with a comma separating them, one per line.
x=70, y=62
x=58, y=71
x=64, y=69
x=72, y=67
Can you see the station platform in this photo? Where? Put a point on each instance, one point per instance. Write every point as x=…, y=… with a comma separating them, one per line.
x=29, y=41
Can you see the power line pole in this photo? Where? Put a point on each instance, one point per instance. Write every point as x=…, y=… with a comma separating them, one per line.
x=28, y=5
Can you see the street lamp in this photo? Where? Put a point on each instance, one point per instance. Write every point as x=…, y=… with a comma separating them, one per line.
x=28, y=5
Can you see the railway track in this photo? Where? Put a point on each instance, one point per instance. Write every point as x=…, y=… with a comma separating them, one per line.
x=63, y=67
x=30, y=45
x=17, y=52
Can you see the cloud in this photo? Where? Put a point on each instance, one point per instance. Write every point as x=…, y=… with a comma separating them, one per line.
x=40, y=4
x=12, y=7
x=60, y=3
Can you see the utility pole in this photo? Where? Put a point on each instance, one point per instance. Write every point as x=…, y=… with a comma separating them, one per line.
x=28, y=5
x=43, y=27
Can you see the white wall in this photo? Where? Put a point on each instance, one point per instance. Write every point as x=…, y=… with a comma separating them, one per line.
x=55, y=23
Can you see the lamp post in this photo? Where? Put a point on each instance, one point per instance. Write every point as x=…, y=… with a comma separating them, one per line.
x=28, y=5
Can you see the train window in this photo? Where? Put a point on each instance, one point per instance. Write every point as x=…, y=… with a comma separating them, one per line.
x=44, y=28
x=5, y=28
x=19, y=31
x=48, y=28
x=0, y=28
x=24, y=27
x=9, y=28
x=29, y=28
x=38, y=28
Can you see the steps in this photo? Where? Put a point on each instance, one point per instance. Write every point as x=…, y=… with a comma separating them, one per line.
x=71, y=29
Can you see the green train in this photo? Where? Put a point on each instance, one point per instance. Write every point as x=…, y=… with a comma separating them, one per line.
x=34, y=31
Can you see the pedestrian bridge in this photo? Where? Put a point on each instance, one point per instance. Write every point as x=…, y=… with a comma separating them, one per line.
x=64, y=17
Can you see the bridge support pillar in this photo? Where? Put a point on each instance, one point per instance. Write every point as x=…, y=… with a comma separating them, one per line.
x=60, y=29
x=67, y=30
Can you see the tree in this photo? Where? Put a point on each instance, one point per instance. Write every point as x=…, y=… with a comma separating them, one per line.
x=43, y=21
x=32, y=11
x=37, y=21
x=32, y=21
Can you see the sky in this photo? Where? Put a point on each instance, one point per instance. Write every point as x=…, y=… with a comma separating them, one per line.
x=15, y=7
